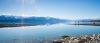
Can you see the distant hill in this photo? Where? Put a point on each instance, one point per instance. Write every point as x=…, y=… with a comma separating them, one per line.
x=88, y=20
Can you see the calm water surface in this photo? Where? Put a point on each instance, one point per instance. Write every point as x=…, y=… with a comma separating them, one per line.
x=43, y=33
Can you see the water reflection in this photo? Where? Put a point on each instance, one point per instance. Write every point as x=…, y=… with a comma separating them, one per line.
x=32, y=23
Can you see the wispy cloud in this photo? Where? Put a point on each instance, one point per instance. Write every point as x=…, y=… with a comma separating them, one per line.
x=37, y=8
x=30, y=1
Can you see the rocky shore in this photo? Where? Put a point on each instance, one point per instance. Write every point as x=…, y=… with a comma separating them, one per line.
x=95, y=38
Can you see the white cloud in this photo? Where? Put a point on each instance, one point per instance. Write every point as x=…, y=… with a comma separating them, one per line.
x=6, y=14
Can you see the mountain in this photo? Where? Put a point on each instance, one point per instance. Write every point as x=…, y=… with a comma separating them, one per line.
x=30, y=20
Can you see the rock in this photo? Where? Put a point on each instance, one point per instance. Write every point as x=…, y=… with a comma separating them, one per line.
x=57, y=41
x=81, y=42
x=65, y=36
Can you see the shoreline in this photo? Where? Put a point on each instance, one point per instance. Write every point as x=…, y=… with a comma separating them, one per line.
x=86, y=24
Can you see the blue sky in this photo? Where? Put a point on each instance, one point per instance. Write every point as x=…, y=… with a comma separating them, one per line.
x=66, y=9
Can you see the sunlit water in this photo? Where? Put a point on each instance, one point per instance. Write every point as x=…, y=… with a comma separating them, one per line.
x=43, y=33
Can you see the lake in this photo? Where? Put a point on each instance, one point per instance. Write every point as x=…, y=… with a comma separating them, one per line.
x=44, y=33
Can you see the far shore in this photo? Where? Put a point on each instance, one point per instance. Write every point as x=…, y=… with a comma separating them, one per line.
x=85, y=24
x=16, y=25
